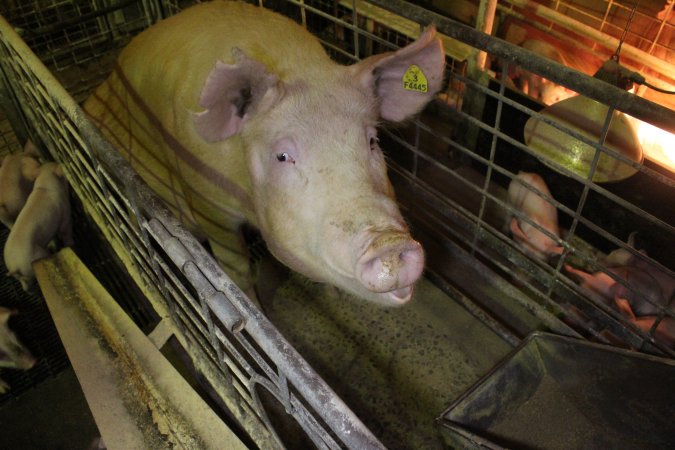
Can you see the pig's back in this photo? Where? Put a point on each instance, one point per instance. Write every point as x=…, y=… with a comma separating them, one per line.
x=180, y=51
x=145, y=108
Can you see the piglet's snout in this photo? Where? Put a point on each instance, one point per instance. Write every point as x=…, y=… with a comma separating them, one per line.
x=391, y=263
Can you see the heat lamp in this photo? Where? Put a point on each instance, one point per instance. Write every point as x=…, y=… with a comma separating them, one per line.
x=587, y=117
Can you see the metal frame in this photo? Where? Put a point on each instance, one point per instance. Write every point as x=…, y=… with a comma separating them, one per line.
x=179, y=277
x=486, y=240
x=230, y=341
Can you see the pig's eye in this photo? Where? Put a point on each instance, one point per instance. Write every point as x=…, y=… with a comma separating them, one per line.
x=285, y=157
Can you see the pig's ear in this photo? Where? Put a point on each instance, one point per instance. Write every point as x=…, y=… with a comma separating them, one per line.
x=405, y=80
x=231, y=94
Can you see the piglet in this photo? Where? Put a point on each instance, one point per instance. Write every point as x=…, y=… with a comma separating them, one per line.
x=621, y=256
x=13, y=354
x=538, y=210
x=45, y=216
x=642, y=293
x=665, y=331
x=648, y=288
x=643, y=297
x=17, y=175
x=599, y=282
x=535, y=85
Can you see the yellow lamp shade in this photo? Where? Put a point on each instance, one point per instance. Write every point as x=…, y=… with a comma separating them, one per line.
x=586, y=117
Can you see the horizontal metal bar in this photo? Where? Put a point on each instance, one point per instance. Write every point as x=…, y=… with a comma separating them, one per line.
x=601, y=91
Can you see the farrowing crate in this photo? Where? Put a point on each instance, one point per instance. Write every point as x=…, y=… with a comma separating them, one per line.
x=453, y=165
x=450, y=168
x=230, y=342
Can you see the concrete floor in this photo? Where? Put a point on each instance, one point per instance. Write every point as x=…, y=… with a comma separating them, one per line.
x=52, y=416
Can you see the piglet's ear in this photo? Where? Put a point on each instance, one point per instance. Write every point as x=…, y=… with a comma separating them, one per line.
x=231, y=94
x=405, y=80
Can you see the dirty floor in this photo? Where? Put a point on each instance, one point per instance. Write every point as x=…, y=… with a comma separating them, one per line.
x=52, y=416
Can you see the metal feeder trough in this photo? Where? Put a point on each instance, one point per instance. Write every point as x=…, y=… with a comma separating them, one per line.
x=555, y=392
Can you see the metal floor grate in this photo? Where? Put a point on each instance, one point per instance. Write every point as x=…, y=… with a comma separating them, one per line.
x=33, y=324
x=34, y=327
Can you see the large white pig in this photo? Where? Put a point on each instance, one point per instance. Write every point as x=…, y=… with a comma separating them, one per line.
x=45, y=216
x=539, y=211
x=234, y=114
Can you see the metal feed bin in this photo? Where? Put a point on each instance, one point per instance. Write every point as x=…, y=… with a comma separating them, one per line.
x=557, y=392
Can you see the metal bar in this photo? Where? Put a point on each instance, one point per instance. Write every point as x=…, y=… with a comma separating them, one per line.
x=493, y=150
x=599, y=37
x=601, y=91
x=484, y=22
x=316, y=392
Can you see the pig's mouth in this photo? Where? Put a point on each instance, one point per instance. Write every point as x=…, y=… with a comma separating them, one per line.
x=400, y=296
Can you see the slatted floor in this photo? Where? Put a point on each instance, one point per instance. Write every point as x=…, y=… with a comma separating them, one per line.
x=33, y=325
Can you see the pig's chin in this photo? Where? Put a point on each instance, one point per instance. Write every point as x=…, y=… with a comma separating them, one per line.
x=397, y=297
x=393, y=299
x=348, y=282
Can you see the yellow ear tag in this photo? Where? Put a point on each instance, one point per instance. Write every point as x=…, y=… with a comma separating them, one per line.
x=414, y=80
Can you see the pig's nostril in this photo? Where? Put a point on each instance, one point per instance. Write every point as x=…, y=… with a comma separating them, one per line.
x=413, y=264
x=391, y=267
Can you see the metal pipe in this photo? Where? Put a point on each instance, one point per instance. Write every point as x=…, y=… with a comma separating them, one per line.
x=598, y=36
x=593, y=88
x=484, y=22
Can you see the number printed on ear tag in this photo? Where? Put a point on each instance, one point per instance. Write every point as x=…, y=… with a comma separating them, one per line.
x=414, y=80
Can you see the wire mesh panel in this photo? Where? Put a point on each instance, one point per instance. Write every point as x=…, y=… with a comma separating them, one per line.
x=464, y=152
x=604, y=224
x=79, y=40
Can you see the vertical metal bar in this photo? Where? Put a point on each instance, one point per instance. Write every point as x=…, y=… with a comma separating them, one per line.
x=664, y=21
x=491, y=158
x=303, y=13
x=485, y=19
x=417, y=149
x=191, y=268
x=355, y=22
x=582, y=199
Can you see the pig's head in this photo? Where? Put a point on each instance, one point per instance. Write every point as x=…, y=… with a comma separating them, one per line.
x=322, y=199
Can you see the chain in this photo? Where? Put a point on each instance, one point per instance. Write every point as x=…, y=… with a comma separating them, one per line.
x=615, y=56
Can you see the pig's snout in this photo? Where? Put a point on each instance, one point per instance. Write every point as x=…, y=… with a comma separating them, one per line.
x=391, y=264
